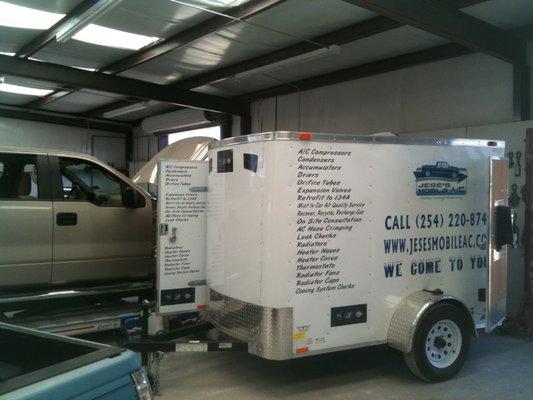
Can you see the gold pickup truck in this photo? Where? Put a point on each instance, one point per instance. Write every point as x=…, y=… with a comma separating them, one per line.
x=68, y=218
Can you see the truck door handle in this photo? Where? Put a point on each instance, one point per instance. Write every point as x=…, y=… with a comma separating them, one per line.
x=66, y=219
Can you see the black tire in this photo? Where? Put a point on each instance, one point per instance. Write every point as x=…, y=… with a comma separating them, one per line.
x=418, y=361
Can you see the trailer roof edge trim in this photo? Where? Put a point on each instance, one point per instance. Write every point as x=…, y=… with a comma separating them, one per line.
x=349, y=138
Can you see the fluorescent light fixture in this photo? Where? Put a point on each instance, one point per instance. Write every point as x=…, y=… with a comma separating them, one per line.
x=6, y=87
x=84, y=68
x=102, y=36
x=81, y=21
x=311, y=56
x=27, y=18
x=126, y=110
x=6, y=53
x=81, y=29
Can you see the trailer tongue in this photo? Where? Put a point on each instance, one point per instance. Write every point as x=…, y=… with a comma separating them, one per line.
x=317, y=243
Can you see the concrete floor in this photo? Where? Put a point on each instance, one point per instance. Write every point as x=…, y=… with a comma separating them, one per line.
x=497, y=368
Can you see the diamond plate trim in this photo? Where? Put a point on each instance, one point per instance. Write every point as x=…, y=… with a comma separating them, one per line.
x=403, y=324
x=268, y=331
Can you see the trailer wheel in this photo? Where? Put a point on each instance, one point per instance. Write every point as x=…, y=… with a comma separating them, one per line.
x=441, y=343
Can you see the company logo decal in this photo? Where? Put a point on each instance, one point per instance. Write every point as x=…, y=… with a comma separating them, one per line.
x=441, y=179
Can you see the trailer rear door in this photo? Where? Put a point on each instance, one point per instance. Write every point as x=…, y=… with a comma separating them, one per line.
x=497, y=260
x=181, y=218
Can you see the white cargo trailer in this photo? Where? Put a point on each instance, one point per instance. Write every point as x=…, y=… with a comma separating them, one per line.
x=320, y=242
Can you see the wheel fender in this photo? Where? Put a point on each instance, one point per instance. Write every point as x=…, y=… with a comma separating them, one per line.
x=409, y=312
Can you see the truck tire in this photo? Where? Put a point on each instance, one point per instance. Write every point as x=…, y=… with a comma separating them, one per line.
x=441, y=343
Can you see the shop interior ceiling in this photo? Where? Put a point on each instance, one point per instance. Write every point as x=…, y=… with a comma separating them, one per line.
x=112, y=63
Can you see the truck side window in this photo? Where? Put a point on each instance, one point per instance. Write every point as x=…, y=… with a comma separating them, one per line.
x=18, y=177
x=83, y=180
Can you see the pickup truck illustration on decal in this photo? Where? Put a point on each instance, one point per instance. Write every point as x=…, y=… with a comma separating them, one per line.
x=440, y=179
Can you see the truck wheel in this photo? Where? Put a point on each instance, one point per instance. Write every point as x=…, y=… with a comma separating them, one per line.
x=441, y=343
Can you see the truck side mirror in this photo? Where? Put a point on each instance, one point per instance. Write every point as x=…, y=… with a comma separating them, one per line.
x=503, y=224
x=131, y=198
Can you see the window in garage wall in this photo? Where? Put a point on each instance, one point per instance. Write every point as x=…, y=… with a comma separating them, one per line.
x=212, y=131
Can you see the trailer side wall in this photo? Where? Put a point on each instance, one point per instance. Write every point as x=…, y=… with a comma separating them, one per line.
x=340, y=232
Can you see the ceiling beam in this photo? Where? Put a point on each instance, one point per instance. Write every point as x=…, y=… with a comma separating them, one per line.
x=435, y=17
x=7, y=111
x=73, y=77
x=341, y=36
x=362, y=71
x=338, y=37
x=523, y=32
x=47, y=36
x=457, y=4
x=182, y=39
x=40, y=41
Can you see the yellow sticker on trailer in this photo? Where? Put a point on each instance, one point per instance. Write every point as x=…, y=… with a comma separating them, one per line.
x=299, y=335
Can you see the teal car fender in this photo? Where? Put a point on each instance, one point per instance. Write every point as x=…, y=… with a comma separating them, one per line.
x=107, y=379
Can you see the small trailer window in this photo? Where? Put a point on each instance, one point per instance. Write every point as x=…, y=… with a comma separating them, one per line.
x=225, y=161
x=250, y=161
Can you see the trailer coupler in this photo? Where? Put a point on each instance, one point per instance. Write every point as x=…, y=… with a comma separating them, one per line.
x=152, y=352
x=152, y=348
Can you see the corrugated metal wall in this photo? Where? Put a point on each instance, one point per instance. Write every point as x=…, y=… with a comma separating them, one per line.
x=108, y=146
x=145, y=146
x=465, y=91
